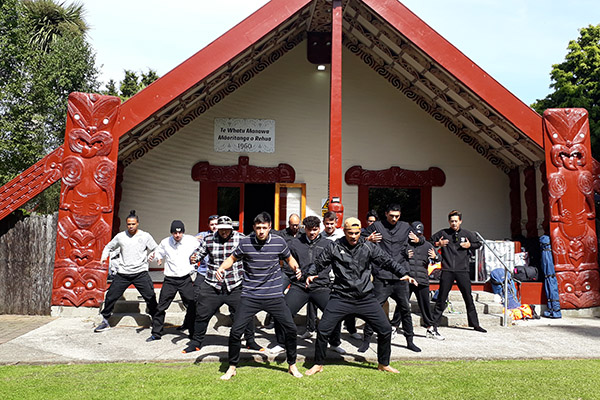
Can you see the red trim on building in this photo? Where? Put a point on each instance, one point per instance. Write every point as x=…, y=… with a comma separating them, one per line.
x=459, y=65
x=335, y=114
x=208, y=60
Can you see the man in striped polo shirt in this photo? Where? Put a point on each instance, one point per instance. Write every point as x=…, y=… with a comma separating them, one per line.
x=260, y=253
x=216, y=292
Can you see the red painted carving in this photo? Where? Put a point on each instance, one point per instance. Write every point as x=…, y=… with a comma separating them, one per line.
x=395, y=176
x=86, y=200
x=570, y=188
x=546, y=223
x=243, y=172
x=530, y=202
x=515, y=202
x=31, y=182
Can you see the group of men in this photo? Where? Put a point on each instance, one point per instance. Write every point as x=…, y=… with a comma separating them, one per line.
x=345, y=273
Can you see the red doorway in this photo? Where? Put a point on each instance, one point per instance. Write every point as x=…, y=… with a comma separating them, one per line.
x=396, y=178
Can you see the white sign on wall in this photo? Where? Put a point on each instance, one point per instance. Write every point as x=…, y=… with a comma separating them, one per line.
x=245, y=135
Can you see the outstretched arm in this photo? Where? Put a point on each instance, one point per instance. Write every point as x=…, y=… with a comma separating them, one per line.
x=225, y=265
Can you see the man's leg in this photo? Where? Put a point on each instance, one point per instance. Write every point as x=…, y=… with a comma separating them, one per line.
x=422, y=294
x=382, y=291
x=209, y=301
x=295, y=299
x=320, y=298
x=370, y=309
x=167, y=294
x=278, y=308
x=247, y=309
x=401, y=295
x=233, y=301
x=336, y=309
x=143, y=284
x=463, y=282
x=311, y=319
x=118, y=286
x=186, y=292
x=446, y=282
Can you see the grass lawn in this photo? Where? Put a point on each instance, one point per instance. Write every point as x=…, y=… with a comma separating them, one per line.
x=458, y=380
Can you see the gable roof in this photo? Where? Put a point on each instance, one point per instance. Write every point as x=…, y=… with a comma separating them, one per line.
x=385, y=35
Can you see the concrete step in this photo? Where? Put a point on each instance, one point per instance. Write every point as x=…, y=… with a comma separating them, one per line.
x=131, y=311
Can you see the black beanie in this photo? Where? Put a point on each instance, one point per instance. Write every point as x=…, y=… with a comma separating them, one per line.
x=177, y=226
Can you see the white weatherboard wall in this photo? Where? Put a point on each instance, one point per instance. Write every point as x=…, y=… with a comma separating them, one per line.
x=381, y=128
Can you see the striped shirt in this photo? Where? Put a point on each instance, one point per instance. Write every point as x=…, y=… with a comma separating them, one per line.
x=216, y=250
x=262, y=271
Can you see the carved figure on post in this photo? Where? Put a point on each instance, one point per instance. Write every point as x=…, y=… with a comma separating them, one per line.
x=572, y=213
x=86, y=200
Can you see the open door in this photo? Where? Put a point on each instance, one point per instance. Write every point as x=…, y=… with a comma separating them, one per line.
x=290, y=198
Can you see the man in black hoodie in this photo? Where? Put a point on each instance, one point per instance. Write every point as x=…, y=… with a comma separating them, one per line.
x=419, y=255
x=351, y=259
x=392, y=236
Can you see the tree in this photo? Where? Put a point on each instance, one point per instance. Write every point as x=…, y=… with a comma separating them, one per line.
x=131, y=83
x=576, y=81
x=40, y=64
x=49, y=21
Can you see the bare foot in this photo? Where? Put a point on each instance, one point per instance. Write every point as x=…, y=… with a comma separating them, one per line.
x=293, y=370
x=314, y=370
x=387, y=368
x=231, y=372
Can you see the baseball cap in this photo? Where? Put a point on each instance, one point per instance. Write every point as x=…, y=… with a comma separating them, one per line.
x=418, y=227
x=351, y=222
x=224, y=222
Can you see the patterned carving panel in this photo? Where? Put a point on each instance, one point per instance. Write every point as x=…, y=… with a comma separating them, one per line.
x=571, y=204
x=31, y=182
x=243, y=172
x=395, y=176
x=86, y=200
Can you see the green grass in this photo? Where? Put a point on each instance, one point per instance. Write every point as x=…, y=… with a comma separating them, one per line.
x=458, y=380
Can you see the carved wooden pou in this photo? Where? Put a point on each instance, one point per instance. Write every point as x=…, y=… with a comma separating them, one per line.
x=571, y=202
x=86, y=200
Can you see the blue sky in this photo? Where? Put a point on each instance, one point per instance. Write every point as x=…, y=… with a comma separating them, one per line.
x=514, y=41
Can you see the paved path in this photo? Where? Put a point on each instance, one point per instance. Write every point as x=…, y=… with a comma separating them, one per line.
x=47, y=340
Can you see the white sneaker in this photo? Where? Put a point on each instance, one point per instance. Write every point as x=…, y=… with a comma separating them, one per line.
x=276, y=349
x=356, y=336
x=497, y=298
x=306, y=335
x=434, y=334
x=338, y=349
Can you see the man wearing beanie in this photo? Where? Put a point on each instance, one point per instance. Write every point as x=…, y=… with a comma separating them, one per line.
x=174, y=253
x=351, y=259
